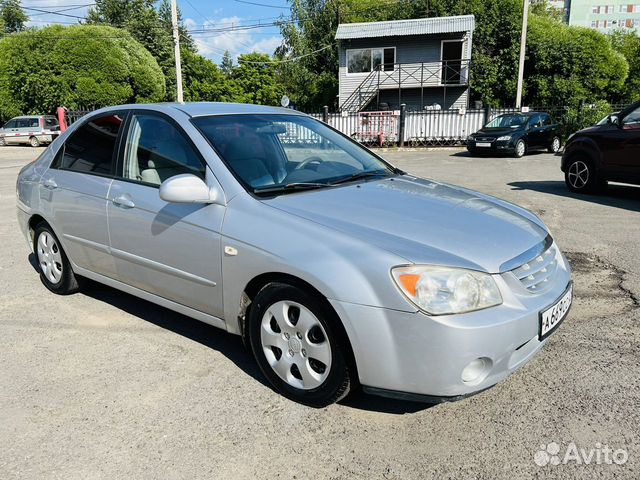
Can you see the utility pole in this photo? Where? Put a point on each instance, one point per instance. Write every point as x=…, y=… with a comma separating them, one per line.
x=176, y=46
x=523, y=44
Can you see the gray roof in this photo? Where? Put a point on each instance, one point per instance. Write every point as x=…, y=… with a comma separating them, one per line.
x=197, y=109
x=419, y=26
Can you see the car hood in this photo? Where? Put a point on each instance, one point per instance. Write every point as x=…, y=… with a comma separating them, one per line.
x=496, y=132
x=422, y=221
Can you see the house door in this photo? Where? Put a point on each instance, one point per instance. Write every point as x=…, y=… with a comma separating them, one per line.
x=451, y=62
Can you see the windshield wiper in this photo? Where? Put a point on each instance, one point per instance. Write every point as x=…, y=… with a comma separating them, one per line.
x=359, y=176
x=290, y=186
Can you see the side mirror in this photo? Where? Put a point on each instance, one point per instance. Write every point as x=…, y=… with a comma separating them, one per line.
x=614, y=119
x=187, y=188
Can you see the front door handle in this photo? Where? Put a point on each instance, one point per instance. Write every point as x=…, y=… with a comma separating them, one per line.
x=123, y=201
x=50, y=184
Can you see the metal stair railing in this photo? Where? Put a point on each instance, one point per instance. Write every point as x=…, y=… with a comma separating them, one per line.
x=420, y=75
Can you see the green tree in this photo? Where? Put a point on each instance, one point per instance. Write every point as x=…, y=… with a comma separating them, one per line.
x=77, y=66
x=151, y=27
x=628, y=44
x=568, y=64
x=255, y=75
x=204, y=81
x=226, y=64
x=13, y=18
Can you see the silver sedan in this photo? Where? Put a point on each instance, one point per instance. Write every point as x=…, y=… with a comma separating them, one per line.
x=338, y=269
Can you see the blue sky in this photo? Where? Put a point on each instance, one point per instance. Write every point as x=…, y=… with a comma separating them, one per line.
x=196, y=14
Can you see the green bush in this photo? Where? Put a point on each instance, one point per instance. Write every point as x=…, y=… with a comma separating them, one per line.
x=77, y=66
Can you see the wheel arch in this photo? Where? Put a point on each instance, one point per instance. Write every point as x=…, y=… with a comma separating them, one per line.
x=260, y=281
x=586, y=147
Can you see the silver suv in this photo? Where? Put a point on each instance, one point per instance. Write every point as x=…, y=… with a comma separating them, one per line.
x=33, y=129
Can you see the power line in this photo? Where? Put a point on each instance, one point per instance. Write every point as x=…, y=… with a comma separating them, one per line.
x=53, y=13
x=63, y=10
x=261, y=4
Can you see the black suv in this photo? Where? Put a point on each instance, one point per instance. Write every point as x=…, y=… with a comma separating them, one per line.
x=607, y=151
x=515, y=134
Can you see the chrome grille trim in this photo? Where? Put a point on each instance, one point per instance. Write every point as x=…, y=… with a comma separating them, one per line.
x=527, y=256
x=537, y=273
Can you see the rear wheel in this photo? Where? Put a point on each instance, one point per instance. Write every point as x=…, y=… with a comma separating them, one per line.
x=34, y=142
x=53, y=264
x=297, y=342
x=520, y=149
x=581, y=176
x=3, y=142
x=555, y=145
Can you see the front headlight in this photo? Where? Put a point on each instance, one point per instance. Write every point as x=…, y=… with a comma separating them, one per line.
x=470, y=138
x=504, y=138
x=442, y=290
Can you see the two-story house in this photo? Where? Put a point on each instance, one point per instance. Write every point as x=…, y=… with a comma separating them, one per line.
x=423, y=63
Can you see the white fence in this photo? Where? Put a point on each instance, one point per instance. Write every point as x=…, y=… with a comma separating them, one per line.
x=429, y=127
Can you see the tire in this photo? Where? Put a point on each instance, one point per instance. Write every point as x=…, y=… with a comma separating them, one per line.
x=554, y=146
x=520, y=149
x=54, y=267
x=580, y=176
x=34, y=142
x=300, y=346
x=3, y=142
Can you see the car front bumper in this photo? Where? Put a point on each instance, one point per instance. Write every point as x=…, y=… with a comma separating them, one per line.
x=416, y=356
x=496, y=148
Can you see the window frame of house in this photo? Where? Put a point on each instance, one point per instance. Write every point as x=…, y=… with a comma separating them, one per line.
x=350, y=51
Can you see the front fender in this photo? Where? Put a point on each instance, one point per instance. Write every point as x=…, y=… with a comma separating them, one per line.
x=267, y=240
x=584, y=145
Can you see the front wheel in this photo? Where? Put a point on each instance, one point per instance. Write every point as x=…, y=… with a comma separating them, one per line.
x=554, y=146
x=520, y=149
x=298, y=344
x=34, y=142
x=581, y=177
x=3, y=142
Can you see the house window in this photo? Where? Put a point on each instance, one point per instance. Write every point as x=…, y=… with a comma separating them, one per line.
x=369, y=59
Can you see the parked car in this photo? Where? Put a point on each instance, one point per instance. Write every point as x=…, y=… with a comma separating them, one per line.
x=33, y=130
x=337, y=268
x=609, y=151
x=516, y=134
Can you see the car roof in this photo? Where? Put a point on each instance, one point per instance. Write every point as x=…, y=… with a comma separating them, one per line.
x=201, y=109
x=526, y=114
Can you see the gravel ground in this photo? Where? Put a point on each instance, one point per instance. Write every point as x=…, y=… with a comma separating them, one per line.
x=103, y=385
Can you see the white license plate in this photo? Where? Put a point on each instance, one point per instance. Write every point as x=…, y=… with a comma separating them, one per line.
x=482, y=144
x=551, y=318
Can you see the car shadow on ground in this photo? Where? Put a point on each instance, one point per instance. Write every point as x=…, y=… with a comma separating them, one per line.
x=231, y=346
x=465, y=153
x=620, y=196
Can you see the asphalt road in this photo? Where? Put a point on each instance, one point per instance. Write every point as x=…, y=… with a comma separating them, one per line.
x=103, y=385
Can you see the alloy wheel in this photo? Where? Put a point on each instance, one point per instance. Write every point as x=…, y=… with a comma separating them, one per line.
x=49, y=257
x=578, y=174
x=520, y=148
x=295, y=345
x=555, y=145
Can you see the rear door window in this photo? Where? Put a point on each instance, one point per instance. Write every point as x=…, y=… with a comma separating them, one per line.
x=90, y=149
x=156, y=150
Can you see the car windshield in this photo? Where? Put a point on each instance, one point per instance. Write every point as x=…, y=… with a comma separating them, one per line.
x=281, y=152
x=507, y=121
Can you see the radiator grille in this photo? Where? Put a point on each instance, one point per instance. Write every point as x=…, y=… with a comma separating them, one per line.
x=536, y=274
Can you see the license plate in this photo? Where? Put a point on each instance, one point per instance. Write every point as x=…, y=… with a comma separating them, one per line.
x=552, y=317
x=482, y=144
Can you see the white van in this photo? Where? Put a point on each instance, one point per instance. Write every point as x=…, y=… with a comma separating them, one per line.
x=33, y=129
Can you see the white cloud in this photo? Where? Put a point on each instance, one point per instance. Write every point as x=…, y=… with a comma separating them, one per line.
x=268, y=45
x=214, y=45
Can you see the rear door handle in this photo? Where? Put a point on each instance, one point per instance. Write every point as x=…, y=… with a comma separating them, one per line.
x=50, y=184
x=123, y=201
